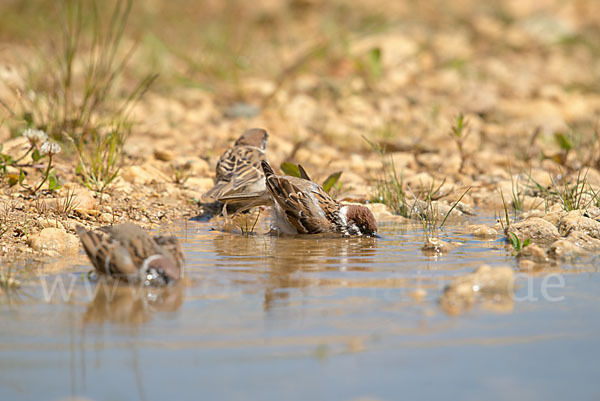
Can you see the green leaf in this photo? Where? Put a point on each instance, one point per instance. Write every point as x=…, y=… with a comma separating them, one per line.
x=290, y=169
x=514, y=241
x=331, y=181
x=53, y=183
x=563, y=141
x=36, y=155
x=6, y=159
x=374, y=62
x=526, y=242
x=28, y=117
x=21, y=177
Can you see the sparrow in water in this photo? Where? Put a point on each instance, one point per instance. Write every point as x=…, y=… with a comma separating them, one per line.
x=238, y=169
x=303, y=207
x=126, y=251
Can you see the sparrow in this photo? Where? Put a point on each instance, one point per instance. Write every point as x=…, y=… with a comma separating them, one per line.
x=303, y=207
x=238, y=169
x=127, y=252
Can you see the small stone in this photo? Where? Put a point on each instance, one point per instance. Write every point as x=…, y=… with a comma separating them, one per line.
x=535, y=253
x=565, y=249
x=105, y=218
x=584, y=241
x=163, y=155
x=554, y=217
x=46, y=223
x=87, y=213
x=436, y=245
x=535, y=229
x=54, y=239
x=576, y=244
x=481, y=231
x=575, y=221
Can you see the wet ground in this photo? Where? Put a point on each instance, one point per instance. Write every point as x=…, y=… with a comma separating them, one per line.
x=311, y=318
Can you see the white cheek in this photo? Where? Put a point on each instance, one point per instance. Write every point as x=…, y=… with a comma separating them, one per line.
x=343, y=211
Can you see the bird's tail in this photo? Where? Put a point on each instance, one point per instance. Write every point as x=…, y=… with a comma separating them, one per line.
x=267, y=169
x=215, y=192
x=245, y=201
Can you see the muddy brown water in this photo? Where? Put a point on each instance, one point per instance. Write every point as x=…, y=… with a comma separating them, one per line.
x=270, y=318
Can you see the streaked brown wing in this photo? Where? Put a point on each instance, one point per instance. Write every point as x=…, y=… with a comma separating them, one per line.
x=225, y=166
x=237, y=169
x=301, y=211
x=107, y=254
x=246, y=172
x=135, y=240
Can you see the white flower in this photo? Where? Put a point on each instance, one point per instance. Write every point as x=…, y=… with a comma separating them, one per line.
x=50, y=148
x=35, y=136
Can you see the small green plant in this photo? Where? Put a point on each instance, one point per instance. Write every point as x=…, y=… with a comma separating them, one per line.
x=294, y=170
x=390, y=185
x=506, y=223
x=516, y=243
x=48, y=149
x=595, y=196
x=67, y=204
x=100, y=156
x=459, y=132
x=431, y=215
x=432, y=192
x=76, y=100
x=371, y=64
x=39, y=149
x=566, y=143
x=572, y=196
x=518, y=196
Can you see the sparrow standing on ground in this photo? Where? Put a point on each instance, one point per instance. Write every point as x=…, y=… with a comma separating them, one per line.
x=126, y=251
x=303, y=207
x=238, y=169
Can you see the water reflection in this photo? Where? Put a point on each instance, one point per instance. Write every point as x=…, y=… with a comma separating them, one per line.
x=280, y=264
x=131, y=305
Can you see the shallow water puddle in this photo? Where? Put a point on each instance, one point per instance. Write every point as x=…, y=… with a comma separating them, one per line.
x=314, y=318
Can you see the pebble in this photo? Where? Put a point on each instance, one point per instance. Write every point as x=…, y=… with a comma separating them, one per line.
x=535, y=253
x=575, y=221
x=54, y=240
x=481, y=231
x=164, y=155
x=535, y=229
x=436, y=245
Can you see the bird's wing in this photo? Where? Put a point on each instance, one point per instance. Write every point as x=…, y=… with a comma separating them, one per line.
x=302, y=202
x=247, y=168
x=107, y=254
x=238, y=169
